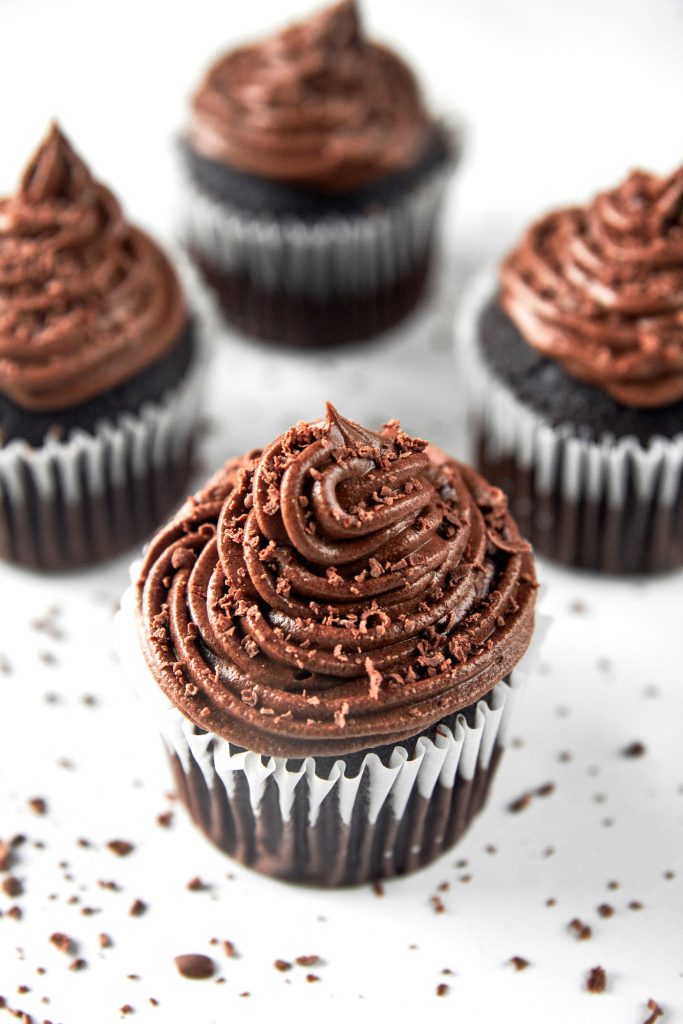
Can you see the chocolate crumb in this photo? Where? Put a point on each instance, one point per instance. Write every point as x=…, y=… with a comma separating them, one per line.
x=635, y=905
x=580, y=930
x=655, y=1012
x=612, y=885
x=196, y=885
x=519, y=963
x=521, y=803
x=15, y=912
x=378, y=888
x=438, y=905
x=635, y=749
x=229, y=949
x=11, y=886
x=165, y=820
x=153, y=1001
x=126, y=1009
x=442, y=989
x=312, y=977
x=6, y=857
x=62, y=942
x=121, y=847
x=597, y=980
x=104, y=940
x=78, y=965
x=282, y=965
x=137, y=908
x=605, y=910
x=551, y=901
x=38, y=805
x=308, y=961
x=195, y=966
x=546, y=789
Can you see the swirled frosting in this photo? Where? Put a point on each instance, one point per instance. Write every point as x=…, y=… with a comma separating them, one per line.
x=600, y=289
x=316, y=104
x=86, y=300
x=340, y=590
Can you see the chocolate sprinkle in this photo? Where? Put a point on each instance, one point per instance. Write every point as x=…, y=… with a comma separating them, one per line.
x=195, y=966
x=597, y=980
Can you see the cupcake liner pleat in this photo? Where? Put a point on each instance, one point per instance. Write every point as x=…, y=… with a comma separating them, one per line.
x=89, y=496
x=610, y=504
x=304, y=821
x=336, y=256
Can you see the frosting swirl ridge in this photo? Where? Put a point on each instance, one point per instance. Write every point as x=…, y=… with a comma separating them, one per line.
x=316, y=105
x=86, y=300
x=339, y=590
x=600, y=289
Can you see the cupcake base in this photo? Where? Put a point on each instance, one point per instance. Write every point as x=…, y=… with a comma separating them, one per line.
x=302, y=321
x=585, y=496
x=332, y=852
x=97, y=487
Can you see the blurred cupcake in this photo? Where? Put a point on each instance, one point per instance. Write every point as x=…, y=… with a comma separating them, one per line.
x=331, y=631
x=314, y=177
x=575, y=379
x=99, y=370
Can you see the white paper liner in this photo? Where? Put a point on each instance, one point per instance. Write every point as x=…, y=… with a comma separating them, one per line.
x=450, y=755
x=563, y=460
x=352, y=255
x=83, y=465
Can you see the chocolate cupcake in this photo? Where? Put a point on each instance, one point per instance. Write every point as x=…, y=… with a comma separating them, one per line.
x=99, y=370
x=313, y=178
x=575, y=379
x=331, y=631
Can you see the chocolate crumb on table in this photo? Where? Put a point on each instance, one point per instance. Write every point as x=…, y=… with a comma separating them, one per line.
x=378, y=888
x=195, y=966
x=121, y=847
x=635, y=749
x=137, y=908
x=655, y=1012
x=105, y=940
x=12, y=886
x=596, y=981
x=519, y=963
x=197, y=885
x=442, y=989
x=6, y=856
x=308, y=961
x=605, y=910
x=229, y=949
x=38, y=805
x=165, y=820
x=520, y=803
x=64, y=943
x=282, y=965
x=580, y=930
x=312, y=977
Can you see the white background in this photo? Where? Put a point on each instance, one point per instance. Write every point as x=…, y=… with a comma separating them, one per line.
x=557, y=99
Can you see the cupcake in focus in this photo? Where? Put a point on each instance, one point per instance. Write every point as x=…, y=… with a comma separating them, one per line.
x=328, y=636
x=575, y=379
x=314, y=176
x=99, y=370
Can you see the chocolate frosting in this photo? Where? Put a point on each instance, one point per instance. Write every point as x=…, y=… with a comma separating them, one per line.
x=86, y=300
x=316, y=104
x=600, y=289
x=340, y=590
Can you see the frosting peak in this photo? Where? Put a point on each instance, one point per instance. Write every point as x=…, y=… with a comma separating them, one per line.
x=600, y=289
x=339, y=590
x=316, y=105
x=86, y=300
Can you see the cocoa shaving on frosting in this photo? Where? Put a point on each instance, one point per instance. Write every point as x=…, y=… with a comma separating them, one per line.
x=86, y=300
x=600, y=289
x=339, y=590
x=315, y=104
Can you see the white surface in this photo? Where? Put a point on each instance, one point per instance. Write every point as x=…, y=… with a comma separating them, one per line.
x=558, y=99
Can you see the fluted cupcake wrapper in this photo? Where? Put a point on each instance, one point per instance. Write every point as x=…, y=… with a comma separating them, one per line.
x=344, y=823
x=305, y=283
x=611, y=504
x=91, y=495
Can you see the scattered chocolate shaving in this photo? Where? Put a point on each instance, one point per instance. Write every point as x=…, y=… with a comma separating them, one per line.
x=635, y=905
x=137, y=908
x=38, y=805
x=121, y=847
x=104, y=940
x=378, y=888
x=312, y=977
x=63, y=942
x=15, y=912
x=282, y=965
x=308, y=961
x=519, y=963
x=597, y=980
x=655, y=1012
x=110, y=886
x=521, y=803
x=12, y=886
x=547, y=789
x=605, y=910
x=635, y=749
x=197, y=885
x=442, y=989
x=126, y=1009
x=78, y=965
x=6, y=858
x=438, y=905
x=195, y=966
x=580, y=930
x=165, y=820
